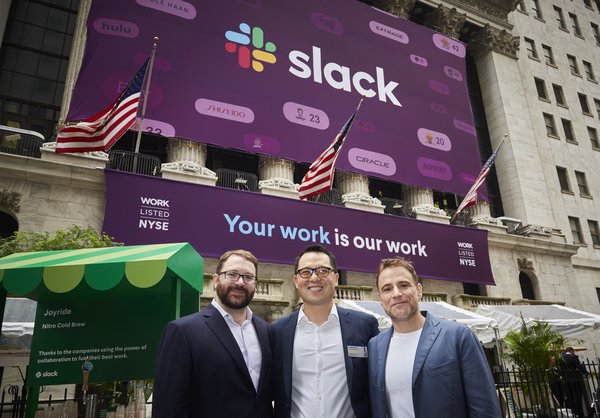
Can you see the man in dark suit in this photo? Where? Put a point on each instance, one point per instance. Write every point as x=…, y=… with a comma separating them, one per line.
x=572, y=372
x=217, y=363
x=423, y=366
x=320, y=352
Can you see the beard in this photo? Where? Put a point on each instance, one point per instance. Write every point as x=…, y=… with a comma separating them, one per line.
x=224, y=293
x=403, y=314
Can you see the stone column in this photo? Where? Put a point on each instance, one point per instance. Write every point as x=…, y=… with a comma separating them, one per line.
x=186, y=161
x=84, y=159
x=4, y=9
x=401, y=8
x=355, y=192
x=277, y=177
x=447, y=20
x=420, y=201
x=75, y=57
x=480, y=214
x=508, y=97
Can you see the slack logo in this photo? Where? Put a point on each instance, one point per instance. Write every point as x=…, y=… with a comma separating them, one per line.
x=340, y=77
x=240, y=42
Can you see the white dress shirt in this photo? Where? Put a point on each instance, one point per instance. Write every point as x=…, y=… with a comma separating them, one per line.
x=319, y=382
x=247, y=340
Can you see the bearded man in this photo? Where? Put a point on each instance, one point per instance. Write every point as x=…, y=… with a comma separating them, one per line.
x=217, y=362
x=423, y=366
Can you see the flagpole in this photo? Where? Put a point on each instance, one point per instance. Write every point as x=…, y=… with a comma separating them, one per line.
x=144, y=103
x=495, y=152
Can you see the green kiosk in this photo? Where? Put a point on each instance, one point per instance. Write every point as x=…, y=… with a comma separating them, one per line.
x=101, y=309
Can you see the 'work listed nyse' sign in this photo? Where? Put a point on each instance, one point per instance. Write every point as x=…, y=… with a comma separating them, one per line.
x=144, y=210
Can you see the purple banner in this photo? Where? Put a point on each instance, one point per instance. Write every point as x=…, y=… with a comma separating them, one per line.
x=280, y=77
x=145, y=210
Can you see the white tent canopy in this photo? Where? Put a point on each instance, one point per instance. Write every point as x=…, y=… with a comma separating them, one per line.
x=568, y=322
x=19, y=319
x=482, y=326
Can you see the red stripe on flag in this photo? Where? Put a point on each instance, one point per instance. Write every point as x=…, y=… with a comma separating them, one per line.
x=319, y=177
x=100, y=131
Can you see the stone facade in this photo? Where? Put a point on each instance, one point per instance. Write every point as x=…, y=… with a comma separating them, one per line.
x=58, y=193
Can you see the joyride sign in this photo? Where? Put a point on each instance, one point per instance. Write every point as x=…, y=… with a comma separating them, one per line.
x=280, y=77
x=144, y=210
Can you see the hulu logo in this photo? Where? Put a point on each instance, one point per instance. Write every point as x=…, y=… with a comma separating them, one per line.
x=251, y=48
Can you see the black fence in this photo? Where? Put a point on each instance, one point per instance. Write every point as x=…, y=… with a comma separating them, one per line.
x=552, y=393
x=14, y=399
x=132, y=162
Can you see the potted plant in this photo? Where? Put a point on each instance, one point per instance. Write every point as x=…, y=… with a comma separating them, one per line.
x=535, y=350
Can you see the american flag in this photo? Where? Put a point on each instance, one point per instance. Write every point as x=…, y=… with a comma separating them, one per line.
x=471, y=197
x=101, y=131
x=319, y=177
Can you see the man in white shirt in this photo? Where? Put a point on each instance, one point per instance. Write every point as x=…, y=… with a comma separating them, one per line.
x=425, y=367
x=217, y=363
x=320, y=352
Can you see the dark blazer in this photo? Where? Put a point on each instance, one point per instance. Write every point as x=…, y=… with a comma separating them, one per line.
x=450, y=378
x=200, y=371
x=357, y=329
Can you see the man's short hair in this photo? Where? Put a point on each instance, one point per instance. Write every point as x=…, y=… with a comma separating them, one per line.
x=388, y=263
x=316, y=249
x=247, y=255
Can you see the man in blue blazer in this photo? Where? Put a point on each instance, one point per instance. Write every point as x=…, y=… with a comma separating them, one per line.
x=320, y=352
x=425, y=367
x=217, y=363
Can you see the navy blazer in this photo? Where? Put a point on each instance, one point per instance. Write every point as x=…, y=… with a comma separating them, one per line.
x=451, y=376
x=200, y=371
x=357, y=329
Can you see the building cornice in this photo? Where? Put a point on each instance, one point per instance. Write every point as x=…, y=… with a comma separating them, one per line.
x=40, y=171
x=531, y=245
x=494, y=12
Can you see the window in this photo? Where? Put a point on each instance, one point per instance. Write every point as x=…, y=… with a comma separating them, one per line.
x=526, y=286
x=535, y=9
x=563, y=180
x=594, y=232
x=583, y=101
x=521, y=6
x=560, y=18
x=597, y=105
x=596, y=32
x=576, y=230
x=588, y=3
x=598, y=293
x=582, y=183
x=589, y=71
x=530, y=46
x=575, y=24
x=573, y=64
x=593, y=133
x=540, y=86
x=548, y=56
x=559, y=95
x=550, y=125
x=568, y=129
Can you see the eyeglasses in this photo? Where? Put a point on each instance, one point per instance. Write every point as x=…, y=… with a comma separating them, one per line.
x=320, y=271
x=234, y=276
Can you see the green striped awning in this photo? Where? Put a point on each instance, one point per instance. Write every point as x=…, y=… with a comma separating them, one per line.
x=101, y=269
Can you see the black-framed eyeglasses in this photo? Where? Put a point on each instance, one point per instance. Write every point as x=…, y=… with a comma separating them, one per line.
x=234, y=276
x=320, y=271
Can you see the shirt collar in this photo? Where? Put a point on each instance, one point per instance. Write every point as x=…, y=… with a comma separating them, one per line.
x=224, y=313
x=302, y=315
